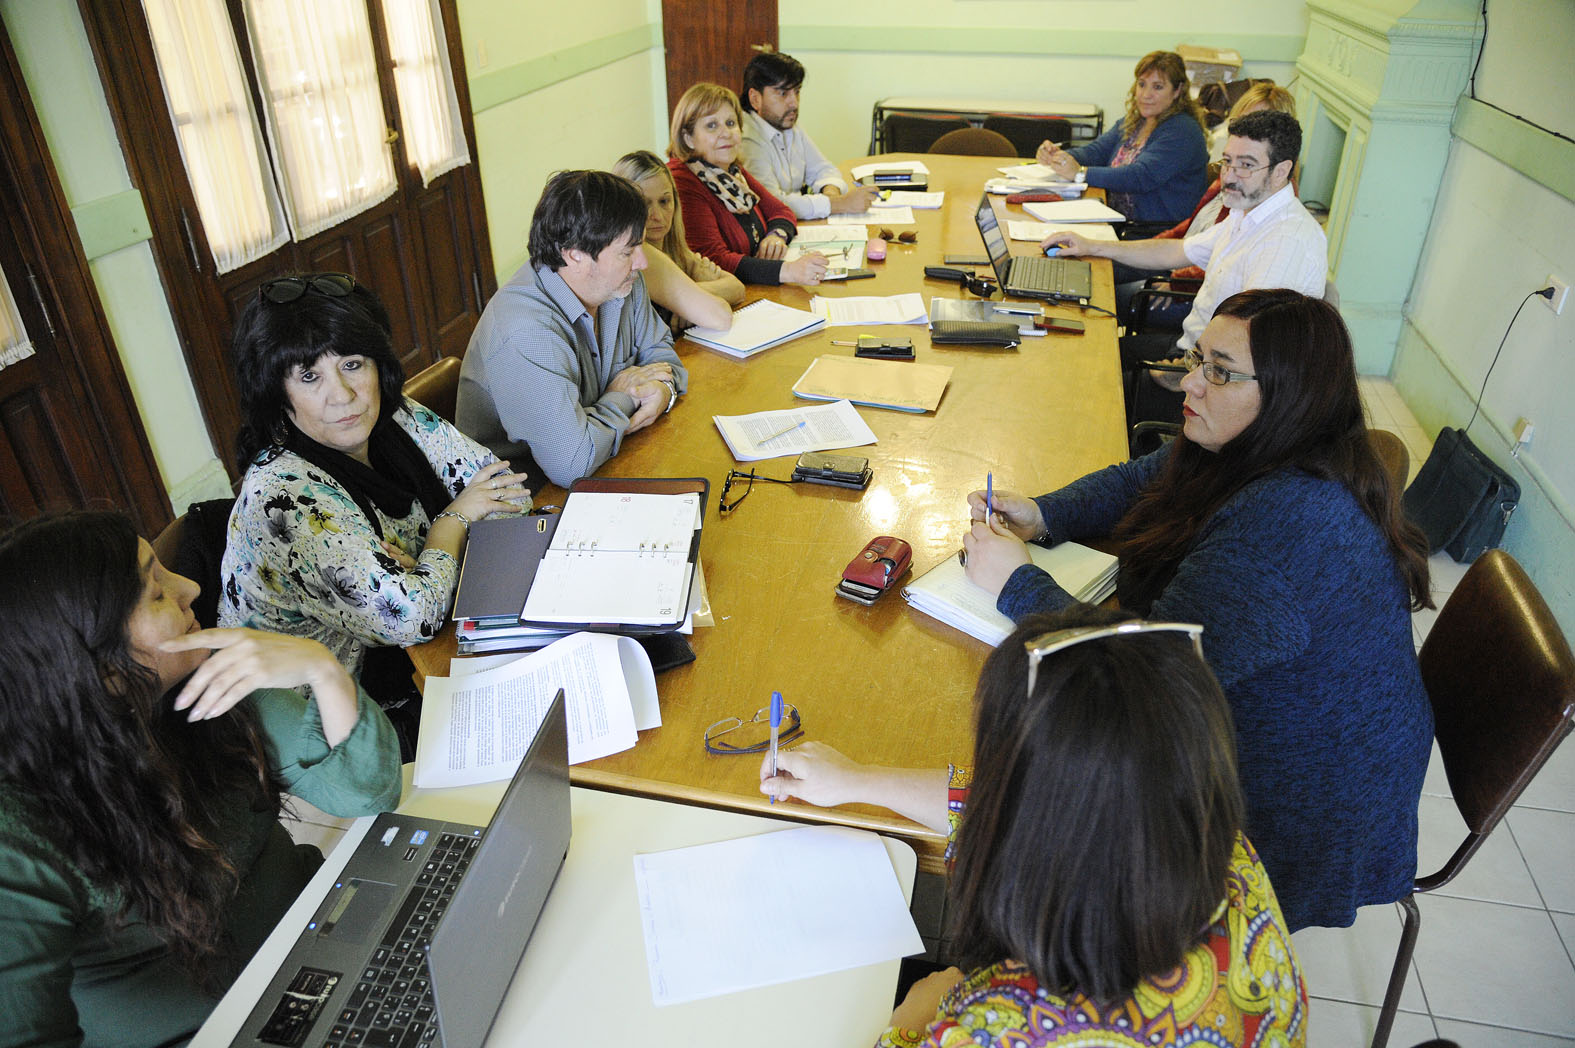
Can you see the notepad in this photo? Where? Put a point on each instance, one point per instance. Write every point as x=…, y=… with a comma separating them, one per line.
x=899, y=385
x=756, y=327
x=945, y=593
x=1073, y=211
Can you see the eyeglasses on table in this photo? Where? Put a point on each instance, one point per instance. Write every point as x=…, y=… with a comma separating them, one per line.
x=731, y=736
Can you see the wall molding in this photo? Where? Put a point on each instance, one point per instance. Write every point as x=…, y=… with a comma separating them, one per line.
x=1541, y=157
x=110, y=223
x=1034, y=41
x=500, y=86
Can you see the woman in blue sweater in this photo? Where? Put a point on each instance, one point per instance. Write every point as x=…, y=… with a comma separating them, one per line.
x=1270, y=521
x=1152, y=163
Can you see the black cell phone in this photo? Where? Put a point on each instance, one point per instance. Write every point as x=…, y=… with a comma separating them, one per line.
x=966, y=260
x=843, y=471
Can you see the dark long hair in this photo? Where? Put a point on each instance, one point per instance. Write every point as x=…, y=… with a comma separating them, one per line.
x=1104, y=809
x=120, y=783
x=273, y=338
x=1310, y=419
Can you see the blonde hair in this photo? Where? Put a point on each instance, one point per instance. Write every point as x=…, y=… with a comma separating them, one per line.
x=1169, y=65
x=1265, y=93
x=701, y=100
x=641, y=165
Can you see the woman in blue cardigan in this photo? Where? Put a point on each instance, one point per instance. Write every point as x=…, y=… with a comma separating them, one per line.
x=1270, y=521
x=1152, y=163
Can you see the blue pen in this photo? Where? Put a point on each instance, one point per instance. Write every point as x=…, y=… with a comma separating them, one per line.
x=776, y=726
x=989, y=497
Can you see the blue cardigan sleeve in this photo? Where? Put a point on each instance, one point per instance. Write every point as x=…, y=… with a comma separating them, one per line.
x=1098, y=152
x=1167, y=177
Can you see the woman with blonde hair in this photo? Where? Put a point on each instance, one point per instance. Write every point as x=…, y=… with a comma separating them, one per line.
x=1152, y=162
x=731, y=219
x=686, y=288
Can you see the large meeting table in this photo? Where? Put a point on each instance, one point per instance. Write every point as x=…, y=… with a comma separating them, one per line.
x=883, y=684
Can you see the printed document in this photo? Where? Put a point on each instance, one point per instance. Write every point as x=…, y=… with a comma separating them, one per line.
x=768, y=909
x=914, y=198
x=876, y=216
x=870, y=310
x=769, y=434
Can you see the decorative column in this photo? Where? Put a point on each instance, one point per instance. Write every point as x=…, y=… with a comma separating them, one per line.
x=1376, y=89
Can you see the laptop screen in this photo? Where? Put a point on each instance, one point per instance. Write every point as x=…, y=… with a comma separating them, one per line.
x=994, y=239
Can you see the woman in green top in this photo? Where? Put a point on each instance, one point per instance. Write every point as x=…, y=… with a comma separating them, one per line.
x=141, y=857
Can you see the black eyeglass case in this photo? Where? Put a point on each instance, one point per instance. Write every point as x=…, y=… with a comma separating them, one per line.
x=974, y=333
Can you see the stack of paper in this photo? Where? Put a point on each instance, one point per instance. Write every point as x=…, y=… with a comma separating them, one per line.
x=860, y=310
x=913, y=167
x=900, y=385
x=758, y=326
x=919, y=201
x=1017, y=229
x=843, y=246
x=767, y=434
x=1074, y=211
x=945, y=593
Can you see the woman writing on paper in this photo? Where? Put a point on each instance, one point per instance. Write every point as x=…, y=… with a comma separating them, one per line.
x=1152, y=163
x=141, y=857
x=1101, y=880
x=1270, y=521
x=356, y=500
x=730, y=218
x=687, y=289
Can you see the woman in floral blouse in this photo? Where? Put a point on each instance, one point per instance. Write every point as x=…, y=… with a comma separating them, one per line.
x=356, y=500
x=1102, y=892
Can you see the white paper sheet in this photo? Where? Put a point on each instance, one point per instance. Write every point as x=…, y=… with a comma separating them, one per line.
x=1018, y=229
x=870, y=310
x=865, y=170
x=826, y=427
x=476, y=727
x=876, y=216
x=914, y=198
x=820, y=234
x=1073, y=211
x=762, y=910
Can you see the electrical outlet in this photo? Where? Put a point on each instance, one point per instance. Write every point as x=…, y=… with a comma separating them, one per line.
x=1561, y=291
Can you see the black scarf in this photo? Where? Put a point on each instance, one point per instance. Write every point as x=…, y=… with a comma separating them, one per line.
x=399, y=475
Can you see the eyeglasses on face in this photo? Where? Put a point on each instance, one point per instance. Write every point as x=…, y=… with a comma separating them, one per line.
x=1059, y=640
x=734, y=735
x=1241, y=167
x=1213, y=374
x=724, y=506
x=288, y=289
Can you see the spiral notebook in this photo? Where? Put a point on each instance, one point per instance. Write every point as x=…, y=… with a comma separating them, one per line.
x=623, y=557
x=758, y=326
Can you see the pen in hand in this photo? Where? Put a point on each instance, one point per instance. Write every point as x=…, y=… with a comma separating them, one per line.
x=989, y=497
x=776, y=727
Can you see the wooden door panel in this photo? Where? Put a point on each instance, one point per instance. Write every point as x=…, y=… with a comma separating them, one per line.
x=39, y=472
x=713, y=40
x=449, y=287
x=388, y=266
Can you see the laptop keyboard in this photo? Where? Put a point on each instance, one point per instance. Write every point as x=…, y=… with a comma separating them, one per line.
x=391, y=1005
x=1049, y=274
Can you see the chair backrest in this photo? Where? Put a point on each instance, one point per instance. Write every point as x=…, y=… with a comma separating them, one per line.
x=1501, y=679
x=193, y=545
x=974, y=141
x=915, y=132
x=1026, y=132
x=1391, y=451
x=436, y=386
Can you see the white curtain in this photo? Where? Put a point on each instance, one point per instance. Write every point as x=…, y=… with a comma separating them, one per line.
x=318, y=79
x=424, y=82
x=220, y=142
x=14, y=344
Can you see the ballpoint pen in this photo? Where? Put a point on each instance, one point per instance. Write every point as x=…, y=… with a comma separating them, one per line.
x=776, y=727
x=766, y=440
x=989, y=497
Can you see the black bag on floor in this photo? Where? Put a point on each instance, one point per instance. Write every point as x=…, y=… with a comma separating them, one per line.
x=1461, y=498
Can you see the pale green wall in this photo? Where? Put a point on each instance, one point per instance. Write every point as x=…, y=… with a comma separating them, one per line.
x=1502, y=223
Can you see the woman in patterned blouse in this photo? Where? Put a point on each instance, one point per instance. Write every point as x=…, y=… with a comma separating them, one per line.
x=1102, y=892
x=356, y=500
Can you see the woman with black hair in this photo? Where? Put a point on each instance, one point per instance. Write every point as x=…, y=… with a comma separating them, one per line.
x=1270, y=520
x=141, y=857
x=1102, y=890
x=357, y=500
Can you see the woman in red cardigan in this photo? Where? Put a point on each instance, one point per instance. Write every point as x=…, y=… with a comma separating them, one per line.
x=728, y=216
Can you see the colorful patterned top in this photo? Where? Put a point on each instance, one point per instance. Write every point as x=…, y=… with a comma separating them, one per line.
x=1239, y=986
x=303, y=559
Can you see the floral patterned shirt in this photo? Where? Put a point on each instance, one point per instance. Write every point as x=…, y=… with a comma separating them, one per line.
x=302, y=558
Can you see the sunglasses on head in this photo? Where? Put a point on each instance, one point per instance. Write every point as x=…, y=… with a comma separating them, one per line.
x=288, y=289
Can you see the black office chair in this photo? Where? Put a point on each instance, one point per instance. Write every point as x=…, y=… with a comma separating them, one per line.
x=916, y=132
x=1026, y=132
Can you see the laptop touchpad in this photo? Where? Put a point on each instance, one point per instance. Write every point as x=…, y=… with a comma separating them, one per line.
x=356, y=913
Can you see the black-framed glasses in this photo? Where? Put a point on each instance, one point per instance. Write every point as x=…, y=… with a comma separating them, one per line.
x=287, y=289
x=734, y=735
x=1213, y=374
x=1241, y=167
x=724, y=506
x=1059, y=640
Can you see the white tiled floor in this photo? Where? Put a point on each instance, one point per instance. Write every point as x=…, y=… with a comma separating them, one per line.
x=1495, y=959
x=1493, y=964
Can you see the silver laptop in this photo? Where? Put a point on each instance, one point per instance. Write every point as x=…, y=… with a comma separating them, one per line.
x=1057, y=279
x=418, y=940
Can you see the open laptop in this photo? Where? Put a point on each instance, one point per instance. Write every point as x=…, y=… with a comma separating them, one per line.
x=1057, y=279
x=418, y=940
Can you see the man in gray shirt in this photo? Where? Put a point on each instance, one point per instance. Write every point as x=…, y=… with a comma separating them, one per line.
x=569, y=356
x=780, y=156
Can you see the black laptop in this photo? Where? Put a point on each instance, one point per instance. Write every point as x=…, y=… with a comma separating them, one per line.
x=418, y=939
x=1056, y=279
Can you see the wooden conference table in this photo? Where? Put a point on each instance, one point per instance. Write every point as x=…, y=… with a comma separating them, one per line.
x=883, y=684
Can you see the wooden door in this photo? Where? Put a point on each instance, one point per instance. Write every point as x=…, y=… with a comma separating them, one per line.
x=424, y=250
x=714, y=40
x=70, y=434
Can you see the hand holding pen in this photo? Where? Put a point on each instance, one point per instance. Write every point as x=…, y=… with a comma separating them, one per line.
x=1017, y=514
x=776, y=728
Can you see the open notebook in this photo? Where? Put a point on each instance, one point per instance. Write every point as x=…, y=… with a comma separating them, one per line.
x=945, y=593
x=758, y=326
